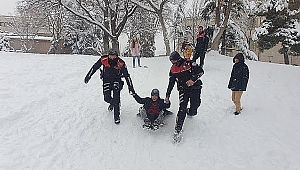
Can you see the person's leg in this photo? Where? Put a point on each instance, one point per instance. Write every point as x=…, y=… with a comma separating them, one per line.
x=139, y=60
x=116, y=102
x=195, y=101
x=183, y=101
x=142, y=112
x=133, y=60
x=107, y=94
x=159, y=119
x=238, y=96
x=202, y=57
x=195, y=56
x=236, y=99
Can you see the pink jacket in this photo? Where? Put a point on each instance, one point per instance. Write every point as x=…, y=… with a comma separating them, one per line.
x=136, y=50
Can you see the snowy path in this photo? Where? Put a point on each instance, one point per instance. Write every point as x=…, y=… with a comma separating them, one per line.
x=51, y=120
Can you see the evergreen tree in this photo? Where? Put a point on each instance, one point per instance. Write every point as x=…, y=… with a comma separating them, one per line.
x=280, y=26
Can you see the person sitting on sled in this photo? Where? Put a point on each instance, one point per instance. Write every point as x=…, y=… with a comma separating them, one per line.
x=153, y=110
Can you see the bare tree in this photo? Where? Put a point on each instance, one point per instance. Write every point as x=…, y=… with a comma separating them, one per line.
x=227, y=8
x=26, y=24
x=157, y=7
x=109, y=15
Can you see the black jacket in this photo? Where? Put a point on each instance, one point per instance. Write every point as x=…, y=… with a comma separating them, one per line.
x=181, y=72
x=113, y=70
x=147, y=101
x=202, y=42
x=239, y=75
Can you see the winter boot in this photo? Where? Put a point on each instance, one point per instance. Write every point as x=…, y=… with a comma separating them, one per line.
x=192, y=112
x=177, y=136
x=117, y=119
x=147, y=124
x=236, y=113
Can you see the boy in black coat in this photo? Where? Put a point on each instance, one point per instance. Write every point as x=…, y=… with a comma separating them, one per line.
x=238, y=81
x=153, y=108
x=114, y=68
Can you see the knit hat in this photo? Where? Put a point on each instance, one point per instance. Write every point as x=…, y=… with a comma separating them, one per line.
x=155, y=92
x=174, y=56
x=112, y=52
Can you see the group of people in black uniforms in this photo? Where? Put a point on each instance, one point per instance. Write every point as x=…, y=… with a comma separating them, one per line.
x=185, y=73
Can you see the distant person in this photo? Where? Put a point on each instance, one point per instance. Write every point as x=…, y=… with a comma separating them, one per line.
x=238, y=81
x=201, y=46
x=189, y=85
x=114, y=68
x=135, y=49
x=153, y=108
x=187, y=50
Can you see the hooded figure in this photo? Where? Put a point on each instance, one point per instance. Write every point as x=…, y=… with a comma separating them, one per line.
x=238, y=80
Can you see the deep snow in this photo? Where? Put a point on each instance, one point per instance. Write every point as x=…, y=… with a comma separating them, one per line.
x=50, y=119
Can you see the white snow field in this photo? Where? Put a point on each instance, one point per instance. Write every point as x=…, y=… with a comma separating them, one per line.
x=51, y=120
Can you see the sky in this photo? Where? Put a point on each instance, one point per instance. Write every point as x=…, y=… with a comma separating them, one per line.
x=7, y=7
x=51, y=119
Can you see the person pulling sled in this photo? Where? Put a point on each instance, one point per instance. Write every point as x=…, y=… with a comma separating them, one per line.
x=114, y=68
x=153, y=110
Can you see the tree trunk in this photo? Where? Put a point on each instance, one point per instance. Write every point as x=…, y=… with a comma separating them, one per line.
x=216, y=41
x=106, y=25
x=165, y=33
x=285, y=56
x=218, y=19
x=115, y=44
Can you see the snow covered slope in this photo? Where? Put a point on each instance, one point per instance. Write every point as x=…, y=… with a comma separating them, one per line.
x=50, y=119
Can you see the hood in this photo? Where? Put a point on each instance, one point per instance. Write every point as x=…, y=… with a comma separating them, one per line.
x=239, y=56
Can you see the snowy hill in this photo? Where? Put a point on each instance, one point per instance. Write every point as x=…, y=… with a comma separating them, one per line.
x=51, y=120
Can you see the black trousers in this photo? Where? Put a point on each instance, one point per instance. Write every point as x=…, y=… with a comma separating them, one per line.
x=201, y=55
x=185, y=96
x=111, y=92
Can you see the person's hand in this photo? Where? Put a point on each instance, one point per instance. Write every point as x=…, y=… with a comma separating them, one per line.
x=87, y=79
x=167, y=99
x=131, y=90
x=190, y=83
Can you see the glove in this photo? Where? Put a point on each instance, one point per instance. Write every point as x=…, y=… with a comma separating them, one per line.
x=86, y=79
x=131, y=90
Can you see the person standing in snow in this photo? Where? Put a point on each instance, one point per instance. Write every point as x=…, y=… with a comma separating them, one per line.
x=114, y=68
x=189, y=86
x=238, y=81
x=201, y=46
x=187, y=50
x=135, y=48
x=153, y=108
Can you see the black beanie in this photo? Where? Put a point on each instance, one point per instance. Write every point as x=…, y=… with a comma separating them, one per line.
x=174, y=56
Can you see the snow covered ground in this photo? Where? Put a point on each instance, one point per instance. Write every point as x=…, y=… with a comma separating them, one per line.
x=50, y=119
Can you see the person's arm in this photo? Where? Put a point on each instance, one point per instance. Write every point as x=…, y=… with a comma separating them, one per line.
x=94, y=68
x=139, y=99
x=171, y=84
x=128, y=79
x=197, y=72
x=206, y=40
x=245, y=77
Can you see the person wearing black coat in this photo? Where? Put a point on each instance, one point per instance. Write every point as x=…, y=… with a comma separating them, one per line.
x=187, y=76
x=114, y=68
x=201, y=46
x=238, y=81
x=153, y=108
